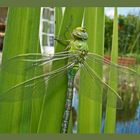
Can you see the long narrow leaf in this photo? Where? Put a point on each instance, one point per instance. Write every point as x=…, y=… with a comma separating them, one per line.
x=53, y=109
x=89, y=116
x=21, y=37
x=110, y=119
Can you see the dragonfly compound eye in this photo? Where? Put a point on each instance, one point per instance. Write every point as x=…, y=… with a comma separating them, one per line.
x=80, y=33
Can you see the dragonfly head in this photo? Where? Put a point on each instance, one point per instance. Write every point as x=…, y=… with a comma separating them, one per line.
x=80, y=33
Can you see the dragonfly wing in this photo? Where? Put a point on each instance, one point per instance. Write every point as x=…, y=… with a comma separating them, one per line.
x=23, y=91
x=33, y=85
x=100, y=60
x=128, y=77
x=32, y=62
x=96, y=79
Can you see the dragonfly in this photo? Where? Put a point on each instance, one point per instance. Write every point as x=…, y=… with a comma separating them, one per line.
x=77, y=55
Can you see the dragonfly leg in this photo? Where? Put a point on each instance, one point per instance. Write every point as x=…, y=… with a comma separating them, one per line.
x=62, y=42
x=67, y=28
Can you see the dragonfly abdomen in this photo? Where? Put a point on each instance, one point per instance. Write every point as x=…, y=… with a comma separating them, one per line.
x=68, y=104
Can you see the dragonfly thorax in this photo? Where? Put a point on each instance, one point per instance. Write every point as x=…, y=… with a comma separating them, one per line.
x=79, y=44
x=81, y=57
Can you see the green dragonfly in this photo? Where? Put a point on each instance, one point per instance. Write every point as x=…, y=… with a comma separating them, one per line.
x=77, y=55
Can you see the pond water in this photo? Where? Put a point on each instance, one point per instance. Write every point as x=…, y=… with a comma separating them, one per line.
x=127, y=122
x=131, y=126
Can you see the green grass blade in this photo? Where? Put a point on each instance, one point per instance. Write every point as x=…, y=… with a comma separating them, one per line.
x=52, y=111
x=21, y=37
x=58, y=19
x=110, y=119
x=89, y=115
